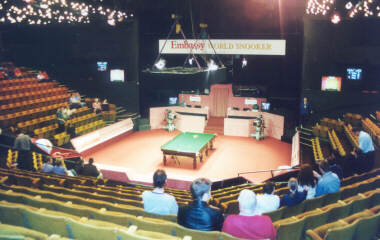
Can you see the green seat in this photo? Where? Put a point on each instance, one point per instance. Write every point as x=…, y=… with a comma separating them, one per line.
x=10, y=230
x=88, y=232
x=340, y=233
x=314, y=220
x=331, y=198
x=11, y=215
x=313, y=203
x=341, y=210
x=276, y=214
x=348, y=192
x=46, y=223
x=320, y=232
x=367, y=227
x=289, y=228
x=293, y=210
x=360, y=204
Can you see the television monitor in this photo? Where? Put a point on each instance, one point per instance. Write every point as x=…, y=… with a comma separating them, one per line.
x=173, y=101
x=265, y=106
x=117, y=75
x=331, y=83
x=354, y=73
x=102, y=66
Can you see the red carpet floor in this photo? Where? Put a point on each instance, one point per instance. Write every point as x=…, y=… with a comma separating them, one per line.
x=135, y=157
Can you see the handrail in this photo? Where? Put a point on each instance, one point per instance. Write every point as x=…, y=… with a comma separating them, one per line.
x=269, y=170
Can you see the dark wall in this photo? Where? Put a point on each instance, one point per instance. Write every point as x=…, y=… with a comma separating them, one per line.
x=70, y=54
x=329, y=49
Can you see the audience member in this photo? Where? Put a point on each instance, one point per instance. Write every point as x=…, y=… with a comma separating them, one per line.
x=17, y=72
x=59, y=168
x=365, y=155
x=90, y=169
x=268, y=201
x=63, y=114
x=328, y=182
x=77, y=169
x=105, y=105
x=48, y=167
x=97, y=106
x=294, y=196
x=157, y=201
x=22, y=145
x=247, y=224
x=198, y=215
x=75, y=101
x=306, y=179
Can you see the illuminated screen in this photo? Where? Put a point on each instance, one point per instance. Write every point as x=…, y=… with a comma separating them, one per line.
x=117, y=75
x=173, y=100
x=265, y=106
x=102, y=66
x=354, y=73
x=331, y=83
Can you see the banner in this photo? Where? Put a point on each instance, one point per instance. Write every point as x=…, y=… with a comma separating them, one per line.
x=223, y=46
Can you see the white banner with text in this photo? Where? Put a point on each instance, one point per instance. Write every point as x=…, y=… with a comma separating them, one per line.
x=223, y=46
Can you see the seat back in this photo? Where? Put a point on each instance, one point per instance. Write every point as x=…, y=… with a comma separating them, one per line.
x=275, y=215
x=290, y=228
x=367, y=227
x=313, y=203
x=345, y=232
x=293, y=210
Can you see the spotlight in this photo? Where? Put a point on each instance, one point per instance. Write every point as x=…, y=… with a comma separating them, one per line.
x=244, y=63
x=191, y=60
x=44, y=6
x=335, y=18
x=211, y=66
x=348, y=5
x=111, y=21
x=160, y=64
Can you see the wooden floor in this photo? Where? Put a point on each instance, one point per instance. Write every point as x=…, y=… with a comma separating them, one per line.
x=136, y=156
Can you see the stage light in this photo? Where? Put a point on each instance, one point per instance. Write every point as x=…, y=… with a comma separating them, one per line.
x=348, y=5
x=191, y=60
x=335, y=18
x=211, y=66
x=244, y=63
x=160, y=64
x=111, y=22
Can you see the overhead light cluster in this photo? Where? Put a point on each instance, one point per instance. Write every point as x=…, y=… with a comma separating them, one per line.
x=43, y=12
x=352, y=8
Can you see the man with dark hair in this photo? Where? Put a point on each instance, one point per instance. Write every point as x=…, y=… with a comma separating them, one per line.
x=90, y=169
x=327, y=183
x=365, y=155
x=267, y=202
x=48, y=167
x=294, y=196
x=22, y=145
x=198, y=215
x=157, y=201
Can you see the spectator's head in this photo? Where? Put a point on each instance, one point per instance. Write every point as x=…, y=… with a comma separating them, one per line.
x=306, y=176
x=247, y=202
x=268, y=187
x=96, y=99
x=90, y=161
x=324, y=166
x=293, y=185
x=305, y=99
x=201, y=189
x=159, y=178
x=48, y=160
x=356, y=131
x=17, y=131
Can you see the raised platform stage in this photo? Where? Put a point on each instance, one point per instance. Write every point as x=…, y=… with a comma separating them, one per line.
x=136, y=156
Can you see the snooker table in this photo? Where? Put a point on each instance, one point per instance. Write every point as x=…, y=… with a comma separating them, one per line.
x=189, y=144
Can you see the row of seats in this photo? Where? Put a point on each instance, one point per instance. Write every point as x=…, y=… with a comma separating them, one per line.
x=332, y=124
x=29, y=126
x=27, y=88
x=335, y=143
x=30, y=104
x=78, y=121
x=61, y=138
x=353, y=119
x=13, y=119
x=16, y=98
x=372, y=129
x=89, y=127
x=17, y=82
x=317, y=150
x=351, y=137
x=46, y=132
x=301, y=225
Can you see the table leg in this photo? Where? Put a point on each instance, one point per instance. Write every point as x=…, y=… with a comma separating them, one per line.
x=164, y=159
x=206, y=151
x=200, y=156
x=195, y=162
x=211, y=144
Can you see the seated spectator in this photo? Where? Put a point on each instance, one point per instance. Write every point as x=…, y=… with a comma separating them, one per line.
x=17, y=72
x=157, y=201
x=40, y=76
x=58, y=168
x=267, y=202
x=294, y=196
x=247, y=224
x=105, y=105
x=307, y=180
x=90, y=169
x=327, y=183
x=97, y=106
x=198, y=215
x=48, y=167
x=63, y=114
x=75, y=101
x=77, y=169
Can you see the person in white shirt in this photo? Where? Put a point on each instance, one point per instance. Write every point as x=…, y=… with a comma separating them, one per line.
x=365, y=155
x=157, y=201
x=306, y=180
x=267, y=202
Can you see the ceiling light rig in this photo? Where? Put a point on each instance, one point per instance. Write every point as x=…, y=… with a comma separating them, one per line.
x=42, y=12
x=352, y=8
